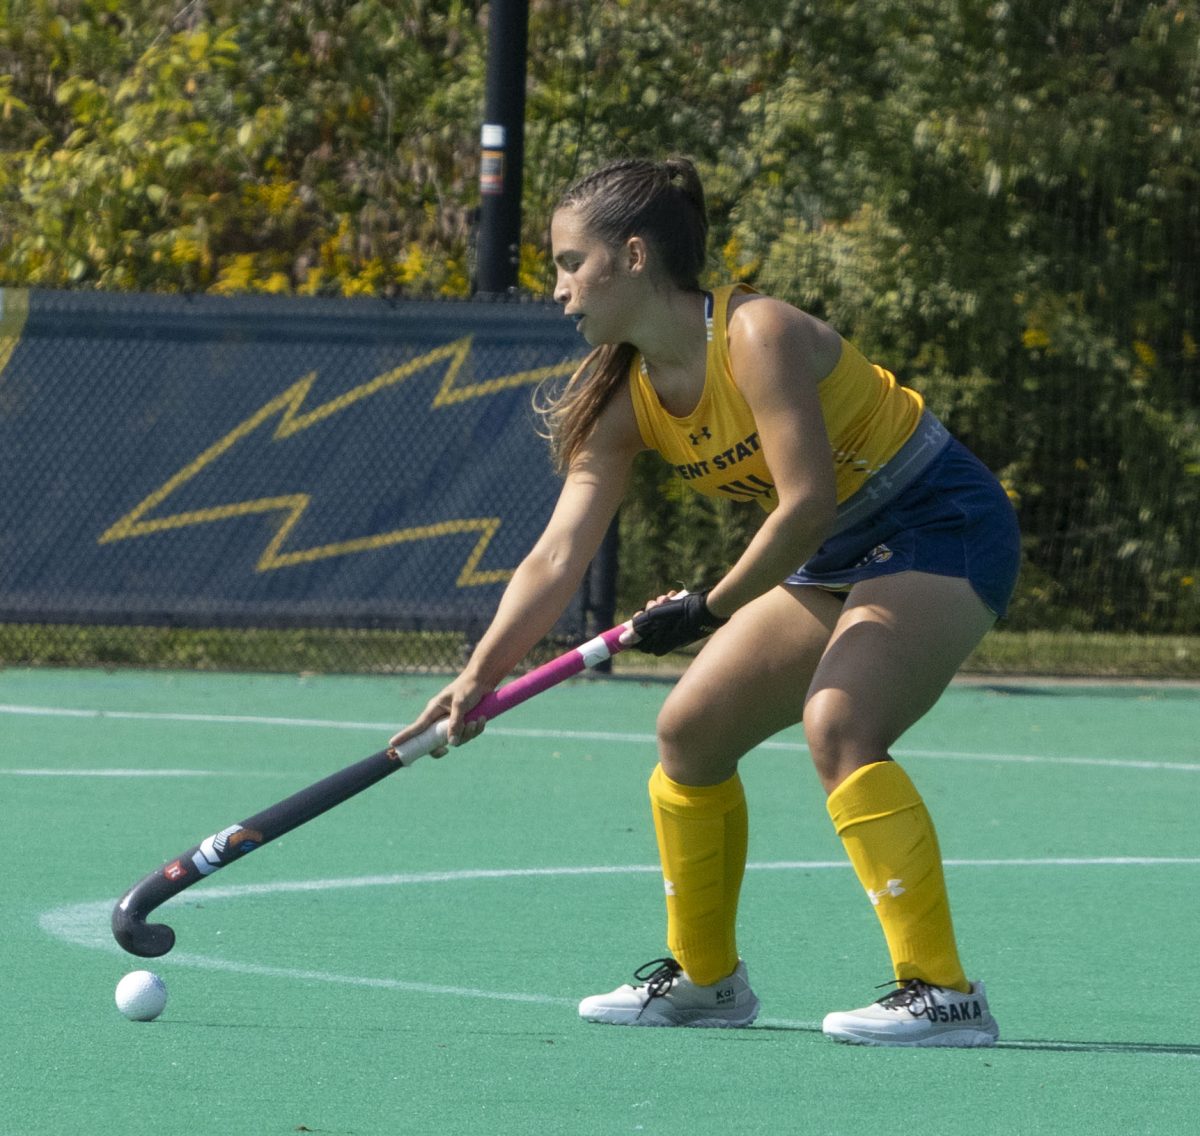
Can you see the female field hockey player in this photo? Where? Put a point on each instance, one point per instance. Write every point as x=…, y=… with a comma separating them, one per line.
x=887, y=552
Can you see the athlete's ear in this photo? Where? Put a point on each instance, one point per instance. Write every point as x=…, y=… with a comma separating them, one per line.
x=637, y=256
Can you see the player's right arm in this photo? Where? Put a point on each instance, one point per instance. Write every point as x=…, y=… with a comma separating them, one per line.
x=549, y=576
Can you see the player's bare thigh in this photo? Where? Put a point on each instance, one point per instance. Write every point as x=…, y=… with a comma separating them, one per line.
x=747, y=684
x=897, y=644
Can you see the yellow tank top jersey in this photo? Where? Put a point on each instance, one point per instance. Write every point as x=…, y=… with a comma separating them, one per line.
x=716, y=450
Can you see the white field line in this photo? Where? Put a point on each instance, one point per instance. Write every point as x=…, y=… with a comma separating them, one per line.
x=386, y=728
x=87, y=924
x=109, y=772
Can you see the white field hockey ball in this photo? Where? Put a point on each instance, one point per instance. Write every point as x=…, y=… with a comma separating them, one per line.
x=141, y=996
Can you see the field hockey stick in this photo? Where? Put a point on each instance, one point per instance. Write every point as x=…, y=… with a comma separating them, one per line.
x=149, y=940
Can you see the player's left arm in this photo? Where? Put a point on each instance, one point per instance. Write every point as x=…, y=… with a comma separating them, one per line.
x=779, y=356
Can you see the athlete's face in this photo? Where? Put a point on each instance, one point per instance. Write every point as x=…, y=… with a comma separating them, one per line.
x=591, y=279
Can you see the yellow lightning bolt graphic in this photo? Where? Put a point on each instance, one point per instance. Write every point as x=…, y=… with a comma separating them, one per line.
x=291, y=507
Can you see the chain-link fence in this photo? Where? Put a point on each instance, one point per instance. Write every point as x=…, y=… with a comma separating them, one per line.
x=247, y=482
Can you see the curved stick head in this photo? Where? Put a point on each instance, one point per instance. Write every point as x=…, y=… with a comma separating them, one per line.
x=130, y=926
x=134, y=934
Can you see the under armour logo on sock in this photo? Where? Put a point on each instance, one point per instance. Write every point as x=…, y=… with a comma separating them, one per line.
x=892, y=888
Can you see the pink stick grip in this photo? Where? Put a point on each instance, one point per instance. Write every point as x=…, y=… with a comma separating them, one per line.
x=514, y=693
x=550, y=674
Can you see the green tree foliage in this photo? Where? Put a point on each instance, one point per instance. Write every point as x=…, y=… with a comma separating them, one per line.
x=281, y=146
x=998, y=199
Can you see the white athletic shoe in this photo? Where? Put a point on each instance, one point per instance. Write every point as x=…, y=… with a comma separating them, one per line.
x=670, y=998
x=919, y=1015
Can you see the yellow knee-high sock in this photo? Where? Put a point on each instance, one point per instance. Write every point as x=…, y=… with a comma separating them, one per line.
x=702, y=835
x=891, y=842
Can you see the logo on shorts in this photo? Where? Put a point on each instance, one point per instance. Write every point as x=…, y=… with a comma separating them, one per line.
x=880, y=554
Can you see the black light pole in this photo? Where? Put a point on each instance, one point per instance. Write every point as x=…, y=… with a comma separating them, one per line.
x=502, y=149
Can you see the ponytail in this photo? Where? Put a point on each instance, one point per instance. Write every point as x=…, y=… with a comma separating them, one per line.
x=569, y=415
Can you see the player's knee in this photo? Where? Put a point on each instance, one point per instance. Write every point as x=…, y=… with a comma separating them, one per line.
x=840, y=739
x=677, y=727
x=684, y=741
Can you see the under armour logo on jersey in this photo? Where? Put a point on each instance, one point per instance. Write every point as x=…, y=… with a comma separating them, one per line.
x=704, y=433
x=892, y=888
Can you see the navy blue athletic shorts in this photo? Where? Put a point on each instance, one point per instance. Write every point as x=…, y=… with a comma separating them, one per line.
x=954, y=519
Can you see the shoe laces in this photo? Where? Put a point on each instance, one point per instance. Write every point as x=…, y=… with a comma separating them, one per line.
x=912, y=996
x=658, y=976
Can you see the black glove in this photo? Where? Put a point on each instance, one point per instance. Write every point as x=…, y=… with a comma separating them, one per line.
x=675, y=623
